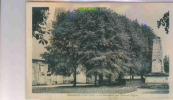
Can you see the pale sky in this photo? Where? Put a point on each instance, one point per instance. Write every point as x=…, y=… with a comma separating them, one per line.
x=147, y=13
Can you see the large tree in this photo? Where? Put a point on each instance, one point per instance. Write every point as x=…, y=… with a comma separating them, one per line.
x=105, y=43
x=94, y=39
x=64, y=43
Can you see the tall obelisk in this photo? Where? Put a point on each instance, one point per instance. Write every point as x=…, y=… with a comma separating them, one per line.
x=157, y=62
x=157, y=75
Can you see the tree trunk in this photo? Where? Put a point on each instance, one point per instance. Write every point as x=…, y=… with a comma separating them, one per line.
x=74, y=84
x=142, y=77
x=95, y=78
x=130, y=73
x=132, y=77
x=109, y=79
x=119, y=78
x=101, y=79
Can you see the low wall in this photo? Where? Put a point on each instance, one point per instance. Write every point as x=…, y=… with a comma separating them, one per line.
x=156, y=80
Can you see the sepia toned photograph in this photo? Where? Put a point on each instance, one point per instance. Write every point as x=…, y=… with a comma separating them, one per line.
x=98, y=49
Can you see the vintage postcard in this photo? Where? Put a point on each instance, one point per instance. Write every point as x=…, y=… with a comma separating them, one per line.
x=99, y=50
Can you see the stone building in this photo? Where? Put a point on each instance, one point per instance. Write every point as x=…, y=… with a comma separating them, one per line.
x=39, y=71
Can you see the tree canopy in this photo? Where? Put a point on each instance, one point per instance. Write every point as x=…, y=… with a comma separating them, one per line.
x=101, y=40
x=58, y=63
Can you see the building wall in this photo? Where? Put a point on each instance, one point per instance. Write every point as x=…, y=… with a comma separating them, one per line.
x=34, y=73
x=161, y=80
x=57, y=79
x=81, y=78
x=91, y=79
x=39, y=72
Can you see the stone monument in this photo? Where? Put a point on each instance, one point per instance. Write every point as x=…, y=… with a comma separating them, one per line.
x=157, y=75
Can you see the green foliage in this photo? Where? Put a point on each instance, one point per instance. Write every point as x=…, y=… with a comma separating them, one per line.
x=142, y=47
x=39, y=18
x=83, y=9
x=102, y=41
x=166, y=64
x=59, y=64
x=140, y=42
x=164, y=21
